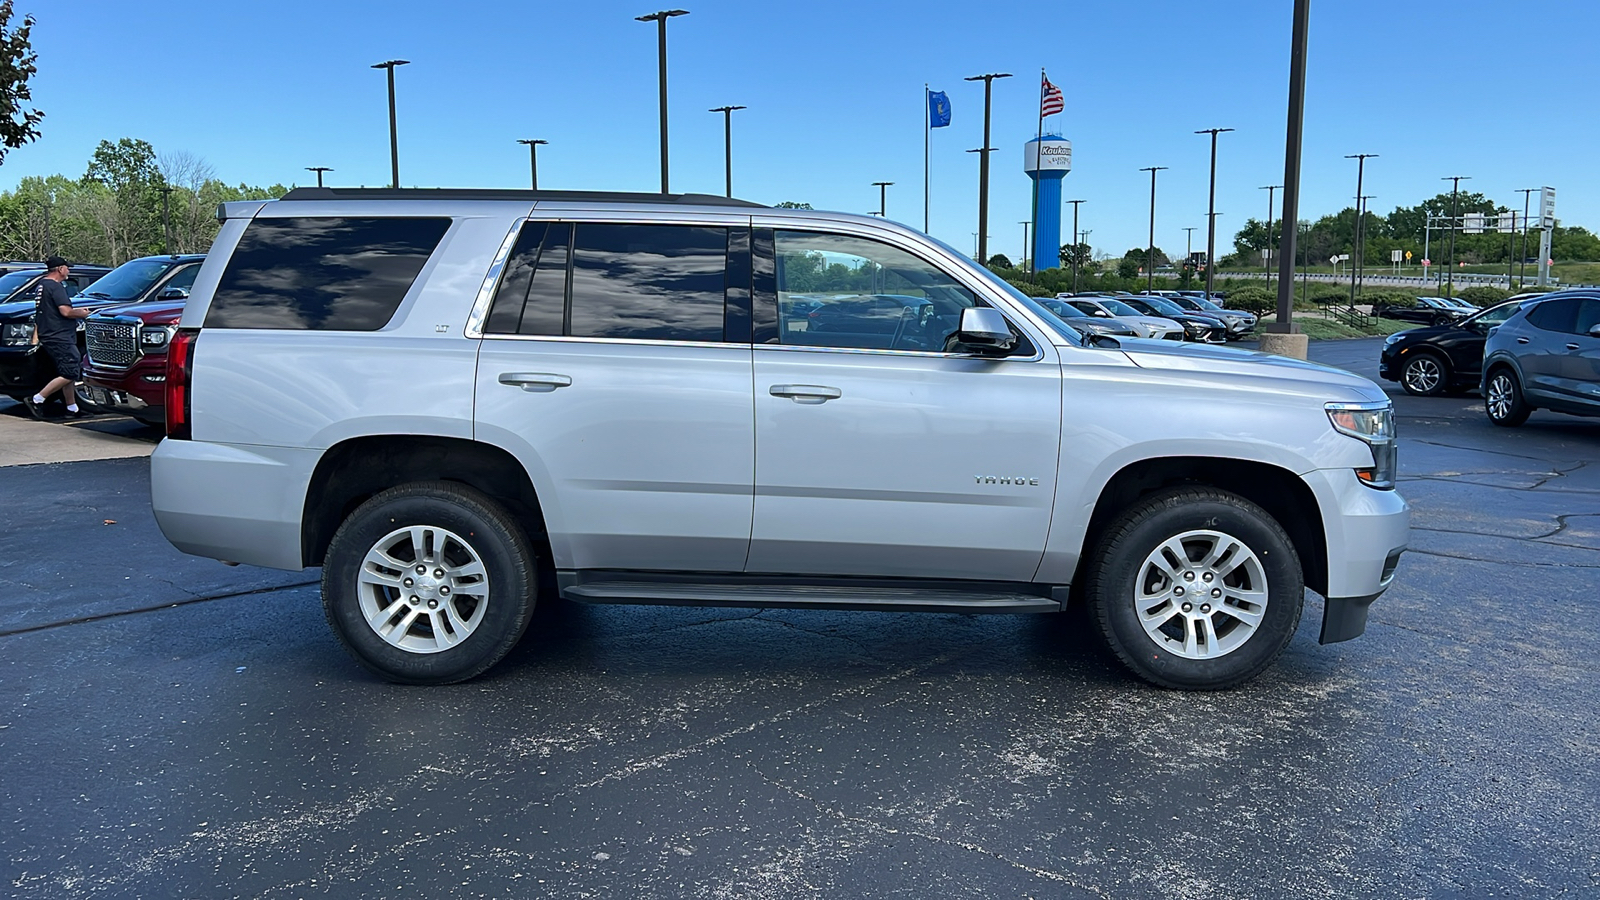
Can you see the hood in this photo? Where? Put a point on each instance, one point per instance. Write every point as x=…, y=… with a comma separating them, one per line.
x=1278, y=374
x=156, y=312
x=1156, y=321
x=12, y=312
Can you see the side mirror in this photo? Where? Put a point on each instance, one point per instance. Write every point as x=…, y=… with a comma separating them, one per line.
x=173, y=293
x=1594, y=331
x=1102, y=314
x=984, y=330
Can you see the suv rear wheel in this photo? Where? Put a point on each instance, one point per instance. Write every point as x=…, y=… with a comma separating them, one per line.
x=1196, y=589
x=429, y=583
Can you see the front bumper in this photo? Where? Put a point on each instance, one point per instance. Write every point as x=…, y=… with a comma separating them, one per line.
x=21, y=370
x=1366, y=530
x=139, y=391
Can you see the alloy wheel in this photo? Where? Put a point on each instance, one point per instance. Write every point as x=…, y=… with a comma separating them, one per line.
x=1201, y=594
x=423, y=589
x=1422, y=375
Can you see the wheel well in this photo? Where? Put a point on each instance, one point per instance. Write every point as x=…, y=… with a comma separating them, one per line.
x=1278, y=491
x=352, y=471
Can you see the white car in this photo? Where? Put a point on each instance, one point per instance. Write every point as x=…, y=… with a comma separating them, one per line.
x=1156, y=327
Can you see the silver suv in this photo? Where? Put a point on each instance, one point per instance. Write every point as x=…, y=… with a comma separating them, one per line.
x=441, y=396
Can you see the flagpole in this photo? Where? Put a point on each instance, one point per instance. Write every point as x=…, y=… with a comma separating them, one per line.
x=1033, y=267
x=927, y=132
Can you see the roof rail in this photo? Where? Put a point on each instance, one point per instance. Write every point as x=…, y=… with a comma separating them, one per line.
x=327, y=193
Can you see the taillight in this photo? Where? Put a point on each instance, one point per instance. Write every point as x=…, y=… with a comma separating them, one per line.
x=180, y=366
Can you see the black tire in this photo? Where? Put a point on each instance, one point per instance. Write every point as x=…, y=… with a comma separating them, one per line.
x=1425, y=374
x=1123, y=558
x=1503, y=400
x=460, y=527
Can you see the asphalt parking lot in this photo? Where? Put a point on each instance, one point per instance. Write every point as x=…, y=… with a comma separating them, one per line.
x=174, y=727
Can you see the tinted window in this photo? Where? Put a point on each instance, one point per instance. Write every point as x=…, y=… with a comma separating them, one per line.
x=532, y=298
x=649, y=282
x=129, y=280
x=323, y=273
x=838, y=290
x=184, y=279
x=16, y=281
x=1588, y=316
x=1555, y=315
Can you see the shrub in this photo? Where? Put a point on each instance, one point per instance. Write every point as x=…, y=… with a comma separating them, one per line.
x=1256, y=300
x=1391, y=299
x=1483, y=295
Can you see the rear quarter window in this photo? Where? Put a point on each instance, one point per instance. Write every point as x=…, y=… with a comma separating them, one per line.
x=323, y=273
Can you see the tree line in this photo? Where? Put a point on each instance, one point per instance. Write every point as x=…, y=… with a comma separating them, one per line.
x=129, y=202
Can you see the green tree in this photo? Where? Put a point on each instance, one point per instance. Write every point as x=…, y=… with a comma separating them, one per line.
x=1000, y=261
x=17, y=66
x=1082, y=254
x=790, y=204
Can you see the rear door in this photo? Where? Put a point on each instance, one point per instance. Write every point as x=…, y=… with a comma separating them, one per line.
x=1540, y=347
x=1580, y=363
x=615, y=363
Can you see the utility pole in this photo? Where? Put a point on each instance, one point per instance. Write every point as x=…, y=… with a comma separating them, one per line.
x=1361, y=237
x=727, y=142
x=1291, y=168
x=1188, y=244
x=883, y=190
x=1075, y=204
x=1267, y=263
x=1455, y=213
x=1150, y=256
x=1355, y=232
x=1522, y=267
x=660, y=18
x=533, y=159
x=394, y=134
x=1025, y=223
x=983, y=164
x=319, y=170
x=1211, y=209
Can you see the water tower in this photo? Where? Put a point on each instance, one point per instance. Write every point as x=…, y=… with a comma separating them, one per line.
x=1047, y=159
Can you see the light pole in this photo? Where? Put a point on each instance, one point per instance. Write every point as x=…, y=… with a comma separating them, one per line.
x=1361, y=238
x=883, y=189
x=727, y=142
x=1455, y=213
x=1188, y=244
x=1034, y=267
x=166, y=218
x=319, y=170
x=1355, y=232
x=1291, y=167
x=1267, y=263
x=533, y=159
x=983, y=164
x=1075, y=204
x=1211, y=208
x=394, y=135
x=1522, y=267
x=1150, y=260
x=660, y=18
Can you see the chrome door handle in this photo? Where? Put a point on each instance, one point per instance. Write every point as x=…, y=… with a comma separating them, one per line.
x=1572, y=346
x=806, y=393
x=1522, y=340
x=536, y=382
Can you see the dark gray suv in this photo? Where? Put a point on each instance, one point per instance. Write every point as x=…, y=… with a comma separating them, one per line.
x=1547, y=356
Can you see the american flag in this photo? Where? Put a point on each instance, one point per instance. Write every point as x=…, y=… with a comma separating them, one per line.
x=1052, y=101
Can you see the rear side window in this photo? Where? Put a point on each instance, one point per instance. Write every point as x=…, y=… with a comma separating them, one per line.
x=635, y=282
x=323, y=273
x=1555, y=315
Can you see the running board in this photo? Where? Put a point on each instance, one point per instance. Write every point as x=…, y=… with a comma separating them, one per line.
x=885, y=599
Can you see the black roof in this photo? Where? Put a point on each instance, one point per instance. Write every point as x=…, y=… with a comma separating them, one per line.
x=327, y=193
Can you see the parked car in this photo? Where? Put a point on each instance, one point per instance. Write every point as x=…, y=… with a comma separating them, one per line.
x=1107, y=307
x=593, y=391
x=125, y=363
x=1203, y=329
x=1428, y=311
x=1239, y=323
x=1441, y=359
x=23, y=369
x=1082, y=321
x=1544, y=356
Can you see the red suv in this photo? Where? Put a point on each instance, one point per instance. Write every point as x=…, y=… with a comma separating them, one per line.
x=125, y=368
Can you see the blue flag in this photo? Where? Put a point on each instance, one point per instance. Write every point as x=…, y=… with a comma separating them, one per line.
x=938, y=109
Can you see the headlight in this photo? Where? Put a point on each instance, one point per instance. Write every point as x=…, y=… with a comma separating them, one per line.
x=1194, y=328
x=1372, y=423
x=17, y=333
x=1391, y=339
x=155, y=337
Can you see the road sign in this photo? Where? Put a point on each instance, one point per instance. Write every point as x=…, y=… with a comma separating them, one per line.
x=1408, y=256
x=1547, y=207
x=1426, y=263
x=1472, y=223
x=1395, y=255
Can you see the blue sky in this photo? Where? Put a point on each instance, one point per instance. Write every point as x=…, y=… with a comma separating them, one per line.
x=834, y=90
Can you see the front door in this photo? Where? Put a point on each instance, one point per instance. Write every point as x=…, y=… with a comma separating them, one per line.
x=878, y=453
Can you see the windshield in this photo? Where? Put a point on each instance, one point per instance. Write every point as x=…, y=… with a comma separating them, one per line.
x=129, y=280
x=16, y=281
x=1162, y=304
x=1117, y=307
x=1062, y=308
x=1206, y=304
x=1049, y=316
x=1494, y=315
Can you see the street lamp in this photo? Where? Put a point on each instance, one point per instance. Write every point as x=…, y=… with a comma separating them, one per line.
x=1150, y=261
x=1455, y=212
x=533, y=158
x=660, y=18
x=727, y=141
x=1356, y=242
x=1522, y=267
x=1025, y=223
x=1188, y=245
x=319, y=170
x=394, y=135
x=166, y=218
x=1075, y=204
x=983, y=164
x=883, y=188
x=1211, y=207
x=1267, y=262
x=1361, y=239
x=1295, y=130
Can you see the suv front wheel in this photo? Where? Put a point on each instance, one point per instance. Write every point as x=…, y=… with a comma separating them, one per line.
x=429, y=583
x=1503, y=400
x=1196, y=589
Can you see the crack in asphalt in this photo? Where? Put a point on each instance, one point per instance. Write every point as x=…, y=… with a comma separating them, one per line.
x=1504, y=562
x=101, y=617
x=1495, y=452
x=873, y=825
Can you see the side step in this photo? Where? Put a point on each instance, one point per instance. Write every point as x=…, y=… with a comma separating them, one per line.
x=789, y=596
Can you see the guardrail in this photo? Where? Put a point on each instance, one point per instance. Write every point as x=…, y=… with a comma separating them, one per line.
x=1433, y=282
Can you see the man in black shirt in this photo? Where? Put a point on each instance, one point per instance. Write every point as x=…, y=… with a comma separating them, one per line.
x=57, y=327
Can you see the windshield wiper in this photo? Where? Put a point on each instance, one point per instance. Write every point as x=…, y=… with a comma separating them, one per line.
x=96, y=294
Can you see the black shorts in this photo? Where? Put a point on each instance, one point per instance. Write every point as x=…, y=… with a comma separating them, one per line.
x=65, y=356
